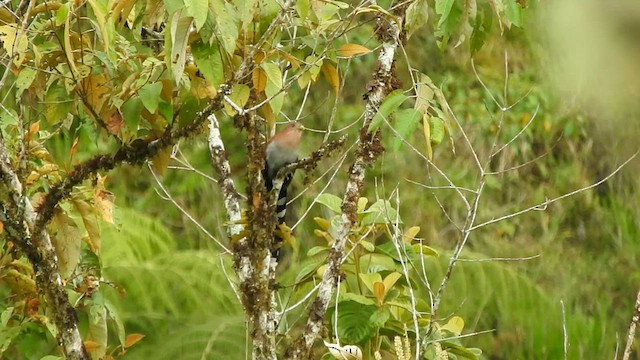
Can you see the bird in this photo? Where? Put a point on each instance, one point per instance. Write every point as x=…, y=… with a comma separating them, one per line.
x=281, y=150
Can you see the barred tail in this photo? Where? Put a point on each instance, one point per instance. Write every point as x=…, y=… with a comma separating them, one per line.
x=281, y=212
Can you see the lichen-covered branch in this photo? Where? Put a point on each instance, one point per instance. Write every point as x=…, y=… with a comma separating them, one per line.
x=36, y=244
x=369, y=148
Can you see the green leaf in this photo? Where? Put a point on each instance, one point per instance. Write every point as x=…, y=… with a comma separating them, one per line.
x=369, y=279
x=349, y=296
x=381, y=212
x=173, y=5
x=150, y=96
x=239, y=96
x=246, y=10
x=390, y=103
x=131, y=114
x=513, y=13
x=443, y=8
x=98, y=328
x=66, y=240
x=437, y=130
x=209, y=62
x=331, y=201
x=58, y=102
x=372, y=263
x=425, y=250
x=226, y=25
x=354, y=326
x=417, y=16
x=317, y=250
x=380, y=317
x=25, y=79
x=113, y=315
x=180, y=27
x=198, y=9
x=482, y=27
x=406, y=123
x=61, y=14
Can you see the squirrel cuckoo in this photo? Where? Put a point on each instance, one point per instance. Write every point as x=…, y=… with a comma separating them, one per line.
x=282, y=150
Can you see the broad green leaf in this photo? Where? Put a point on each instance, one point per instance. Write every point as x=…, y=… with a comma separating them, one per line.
x=246, y=10
x=113, y=315
x=443, y=8
x=180, y=27
x=317, y=250
x=424, y=93
x=513, y=13
x=62, y=14
x=367, y=245
x=391, y=103
x=481, y=28
x=150, y=96
x=437, y=130
x=25, y=79
x=416, y=16
x=198, y=10
x=380, y=317
x=98, y=329
x=354, y=326
x=455, y=325
x=406, y=122
x=349, y=296
x=226, y=24
x=58, y=104
x=239, y=96
x=373, y=263
x=331, y=201
x=425, y=250
x=173, y=5
x=302, y=7
x=381, y=212
x=459, y=350
x=273, y=73
x=131, y=114
x=209, y=62
x=370, y=279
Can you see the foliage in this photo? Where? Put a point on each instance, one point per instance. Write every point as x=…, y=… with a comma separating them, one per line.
x=93, y=78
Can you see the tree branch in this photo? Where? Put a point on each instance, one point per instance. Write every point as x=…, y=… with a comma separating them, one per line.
x=36, y=244
x=368, y=149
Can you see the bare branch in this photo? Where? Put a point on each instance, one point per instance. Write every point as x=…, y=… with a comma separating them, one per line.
x=632, y=328
x=543, y=205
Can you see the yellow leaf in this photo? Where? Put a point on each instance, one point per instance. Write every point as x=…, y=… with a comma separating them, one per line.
x=66, y=240
x=410, y=234
x=90, y=221
x=132, y=339
x=331, y=74
x=104, y=205
x=322, y=222
x=259, y=78
x=348, y=50
x=391, y=280
x=295, y=63
x=1, y=227
x=8, y=37
x=378, y=292
x=239, y=96
x=68, y=50
x=455, y=325
x=91, y=346
x=160, y=162
x=267, y=113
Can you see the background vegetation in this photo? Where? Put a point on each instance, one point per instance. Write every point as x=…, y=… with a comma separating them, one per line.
x=550, y=284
